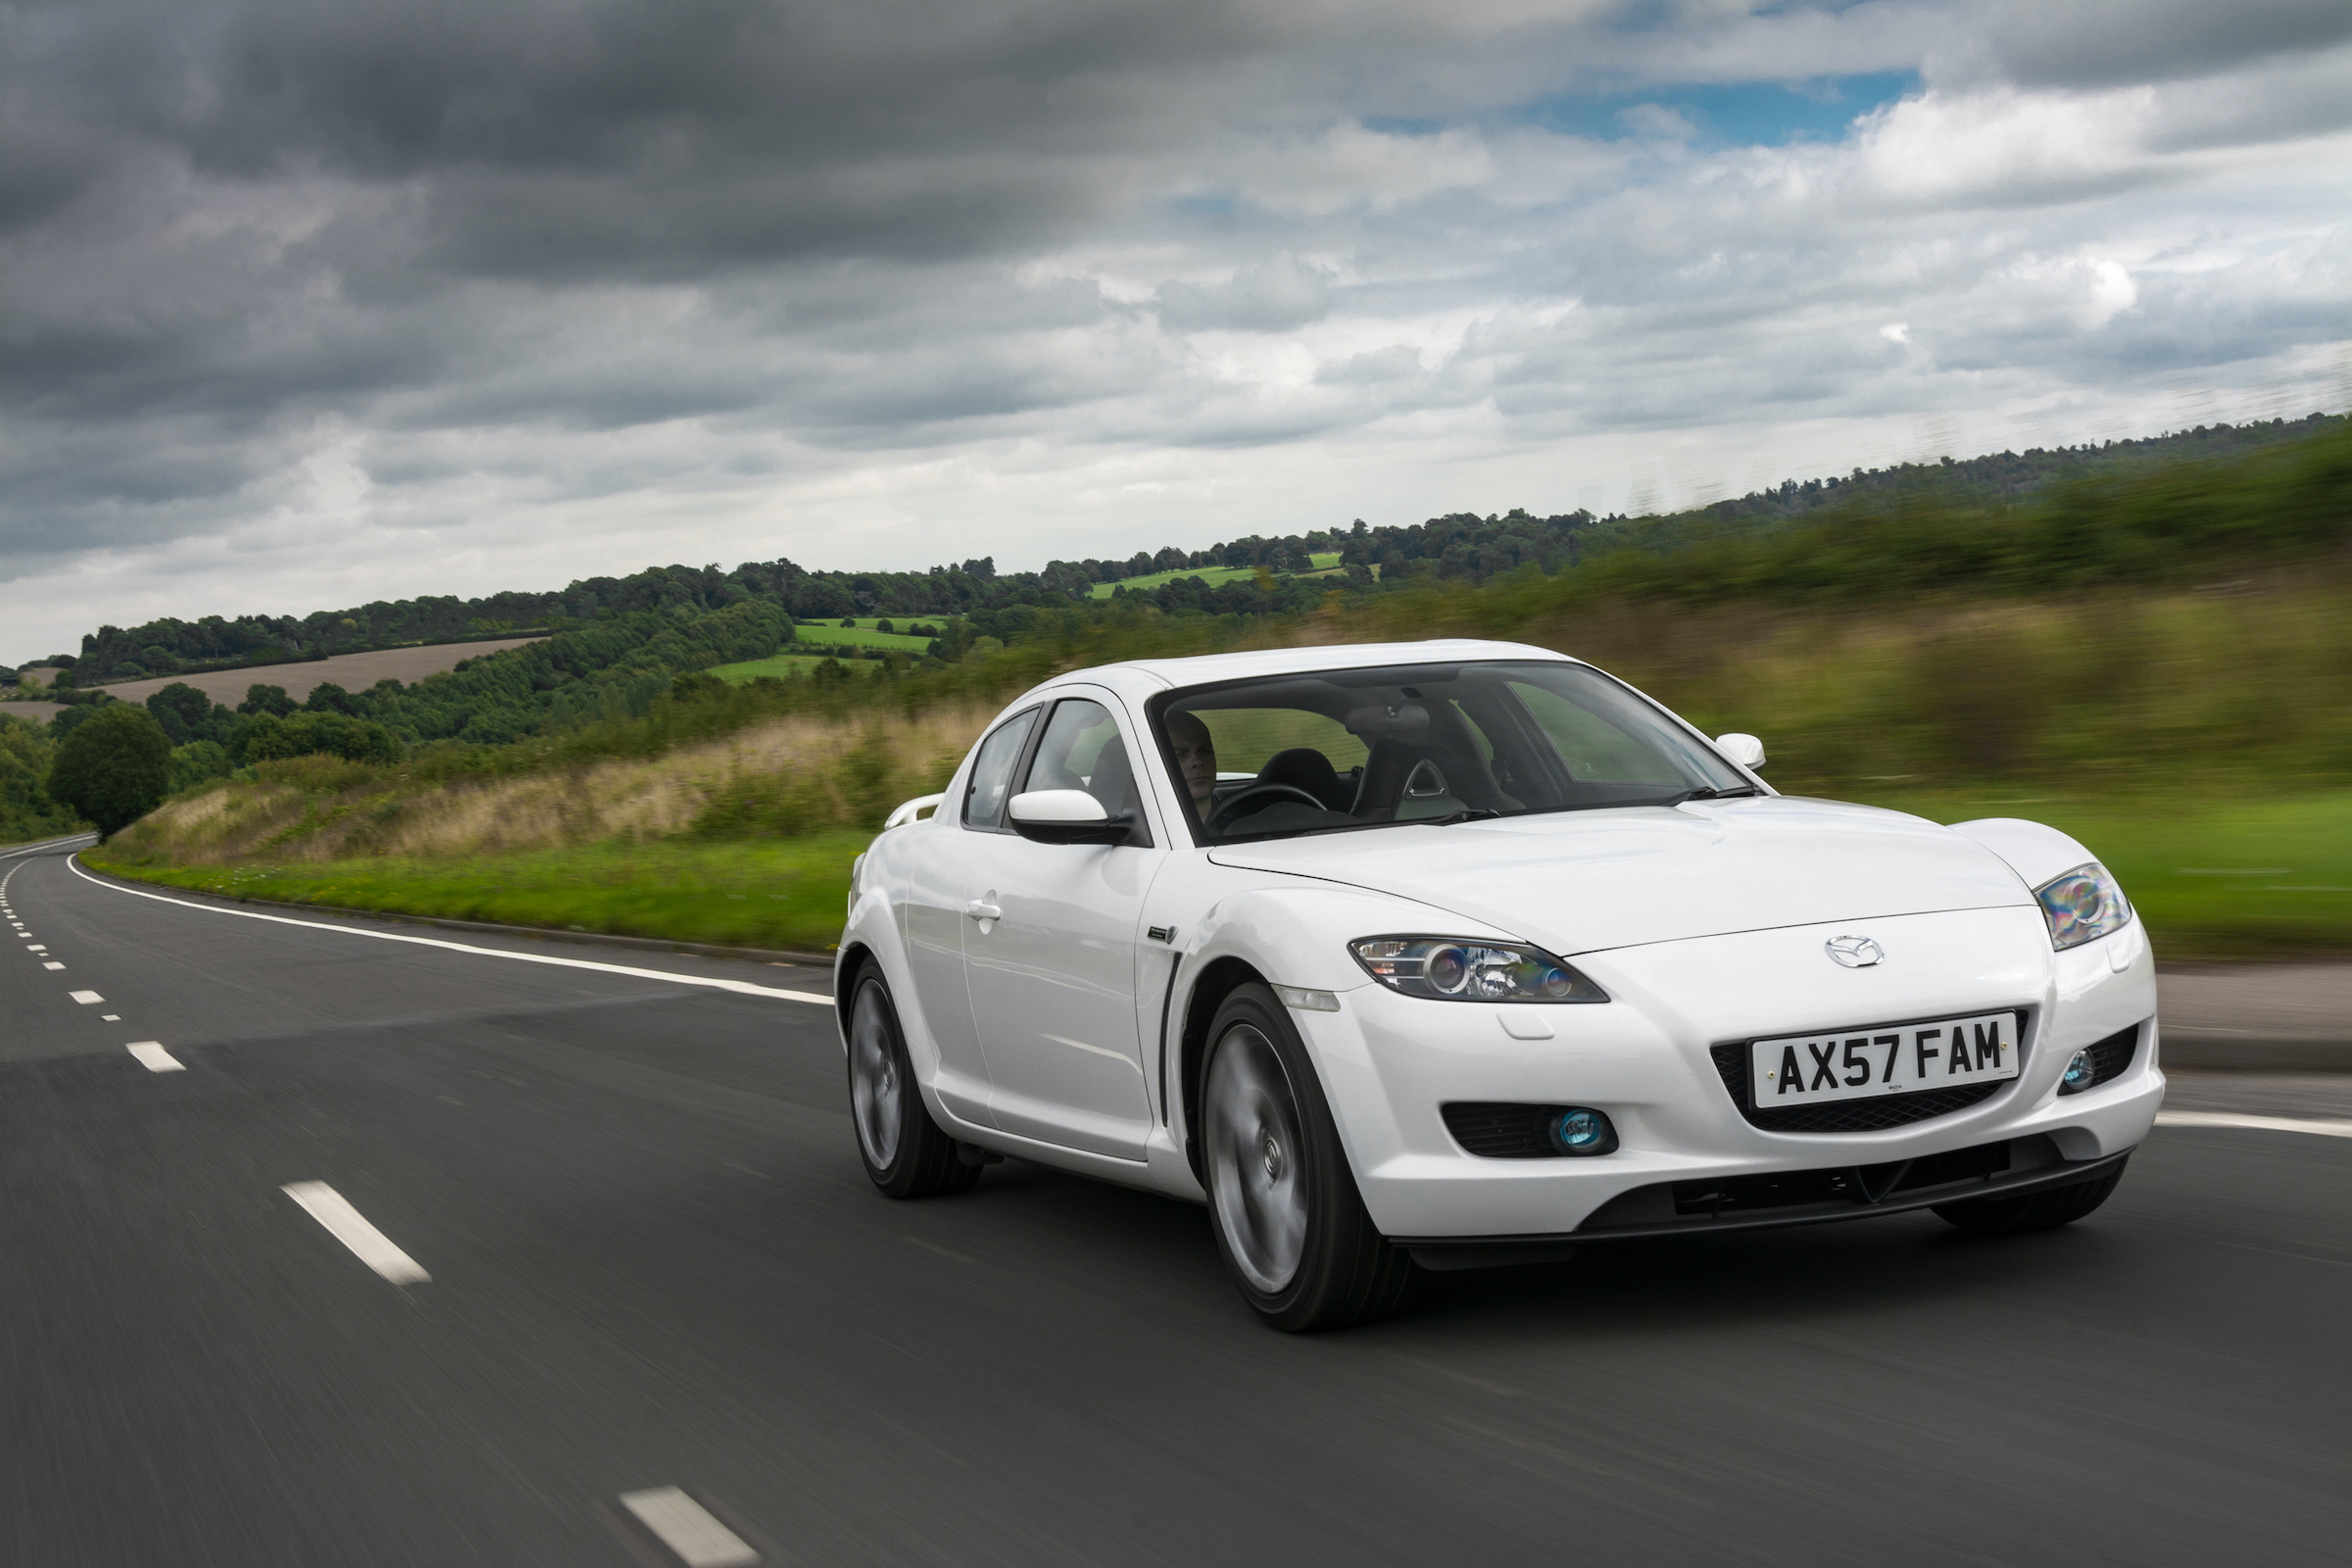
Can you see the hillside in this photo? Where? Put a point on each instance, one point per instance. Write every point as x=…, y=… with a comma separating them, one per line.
x=1457, y=547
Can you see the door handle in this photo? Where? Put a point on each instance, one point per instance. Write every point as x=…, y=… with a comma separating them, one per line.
x=982, y=910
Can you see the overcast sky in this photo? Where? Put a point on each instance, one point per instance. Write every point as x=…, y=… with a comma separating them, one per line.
x=306, y=303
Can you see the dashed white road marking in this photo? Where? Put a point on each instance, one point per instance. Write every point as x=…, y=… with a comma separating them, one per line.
x=53, y=966
x=2267, y=1124
x=111, y=1017
x=86, y=997
x=153, y=1058
x=686, y=1528
x=349, y=1226
x=36, y=948
x=743, y=988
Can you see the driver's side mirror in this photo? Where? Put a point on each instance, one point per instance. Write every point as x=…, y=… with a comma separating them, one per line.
x=1745, y=750
x=1067, y=817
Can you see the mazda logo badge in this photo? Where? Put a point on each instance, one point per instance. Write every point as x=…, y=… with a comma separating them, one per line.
x=1855, y=952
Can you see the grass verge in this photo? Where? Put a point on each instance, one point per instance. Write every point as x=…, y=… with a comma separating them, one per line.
x=2217, y=879
x=778, y=892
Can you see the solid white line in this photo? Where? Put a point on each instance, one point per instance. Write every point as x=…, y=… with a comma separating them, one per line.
x=2267, y=1124
x=349, y=1226
x=740, y=987
x=153, y=1058
x=686, y=1528
x=86, y=997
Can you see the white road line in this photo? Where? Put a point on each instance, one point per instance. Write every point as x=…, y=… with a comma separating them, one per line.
x=741, y=988
x=349, y=1226
x=153, y=1058
x=686, y=1528
x=111, y=1017
x=86, y=997
x=2267, y=1124
x=53, y=966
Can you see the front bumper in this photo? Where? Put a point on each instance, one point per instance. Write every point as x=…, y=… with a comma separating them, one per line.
x=1388, y=1062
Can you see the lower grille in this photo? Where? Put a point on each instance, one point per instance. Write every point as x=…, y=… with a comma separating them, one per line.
x=1502, y=1130
x=1870, y=1115
x=2112, y=1056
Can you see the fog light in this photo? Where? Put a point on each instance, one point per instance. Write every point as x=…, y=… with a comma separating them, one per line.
x=2081, y=1070
x=1577, y=1131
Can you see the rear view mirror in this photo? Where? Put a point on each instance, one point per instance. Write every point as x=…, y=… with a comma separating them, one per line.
x=1745, y=750
x=1067, y=817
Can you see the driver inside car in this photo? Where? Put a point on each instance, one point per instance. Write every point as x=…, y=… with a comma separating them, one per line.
x=1195, y=760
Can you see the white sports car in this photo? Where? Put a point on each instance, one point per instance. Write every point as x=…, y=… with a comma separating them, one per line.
x=1455, y=954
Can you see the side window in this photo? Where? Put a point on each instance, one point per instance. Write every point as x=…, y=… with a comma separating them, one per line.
x=992, y=773
x=1081, y=751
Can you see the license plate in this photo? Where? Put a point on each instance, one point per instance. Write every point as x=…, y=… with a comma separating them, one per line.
x=1883, y=1060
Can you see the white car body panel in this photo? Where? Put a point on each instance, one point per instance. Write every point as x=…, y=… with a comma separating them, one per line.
x=1704, y=922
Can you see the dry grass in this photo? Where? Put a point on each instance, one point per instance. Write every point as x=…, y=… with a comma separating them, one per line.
x=795, y=774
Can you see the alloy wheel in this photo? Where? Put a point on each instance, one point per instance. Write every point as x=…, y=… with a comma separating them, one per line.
x=877, y=1089
x=1258, y=1188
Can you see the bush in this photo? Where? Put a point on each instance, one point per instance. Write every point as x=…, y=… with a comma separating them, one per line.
x=198, y=762
x=114, y=768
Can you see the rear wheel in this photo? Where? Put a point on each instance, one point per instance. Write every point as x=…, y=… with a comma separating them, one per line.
x=903, y=1150
x=2035, y=1212
x=1289, y=1221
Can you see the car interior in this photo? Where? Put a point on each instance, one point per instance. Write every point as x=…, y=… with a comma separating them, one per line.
x=1360, y=748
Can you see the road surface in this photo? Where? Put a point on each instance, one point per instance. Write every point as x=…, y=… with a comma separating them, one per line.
x=324, y=1249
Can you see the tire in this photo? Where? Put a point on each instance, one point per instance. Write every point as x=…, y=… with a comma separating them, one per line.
x=1289, y=1221
x=901, y=1146
x=2035, y=1212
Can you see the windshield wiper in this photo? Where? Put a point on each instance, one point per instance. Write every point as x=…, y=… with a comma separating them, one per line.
x=1708, y=792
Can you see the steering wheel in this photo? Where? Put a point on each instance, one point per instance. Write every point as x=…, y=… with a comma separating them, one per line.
x=1218, y=818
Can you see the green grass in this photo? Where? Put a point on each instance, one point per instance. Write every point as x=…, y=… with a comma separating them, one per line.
x=783, y=666
x=833, y=634
x=780, y=893
x=1214, y=577
x=2220, y=879
x=2214, y=877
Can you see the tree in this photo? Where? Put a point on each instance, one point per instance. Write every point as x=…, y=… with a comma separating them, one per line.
x=184, y=711
x=114, y=768
x=260, y=699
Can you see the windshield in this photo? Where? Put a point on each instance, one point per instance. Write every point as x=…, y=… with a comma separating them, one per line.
x=1347, y=749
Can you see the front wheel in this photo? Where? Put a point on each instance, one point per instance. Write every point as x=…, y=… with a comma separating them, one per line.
x=902, y=1147
x=1289, y=1221
x=2035, y=1212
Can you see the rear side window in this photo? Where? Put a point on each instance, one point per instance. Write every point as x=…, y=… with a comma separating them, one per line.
x=991, y=785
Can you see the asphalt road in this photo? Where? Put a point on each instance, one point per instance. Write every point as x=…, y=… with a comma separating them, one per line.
x=655, y=1263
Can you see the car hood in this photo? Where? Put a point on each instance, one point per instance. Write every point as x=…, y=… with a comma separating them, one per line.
x=1582, y=881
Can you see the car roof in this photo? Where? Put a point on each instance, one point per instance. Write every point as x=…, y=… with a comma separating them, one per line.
x=1141, y=678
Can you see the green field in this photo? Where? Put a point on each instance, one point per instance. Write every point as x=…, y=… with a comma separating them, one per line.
x=783, y=666
x=833, y=634
x=2229, y=878
x=1325, y=562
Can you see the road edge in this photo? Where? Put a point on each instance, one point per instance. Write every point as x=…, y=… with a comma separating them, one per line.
x=700, y=949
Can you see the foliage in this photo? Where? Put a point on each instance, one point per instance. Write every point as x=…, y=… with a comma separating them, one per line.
x=27, y=811
x=115, y=768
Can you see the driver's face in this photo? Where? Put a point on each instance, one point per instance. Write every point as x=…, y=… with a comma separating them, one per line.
x=1196, y=760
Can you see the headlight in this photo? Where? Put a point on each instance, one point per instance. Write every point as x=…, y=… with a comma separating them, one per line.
x=1458, y=970
x=2083, y=905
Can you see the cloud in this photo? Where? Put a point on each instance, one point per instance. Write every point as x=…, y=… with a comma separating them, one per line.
x=305, y=301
